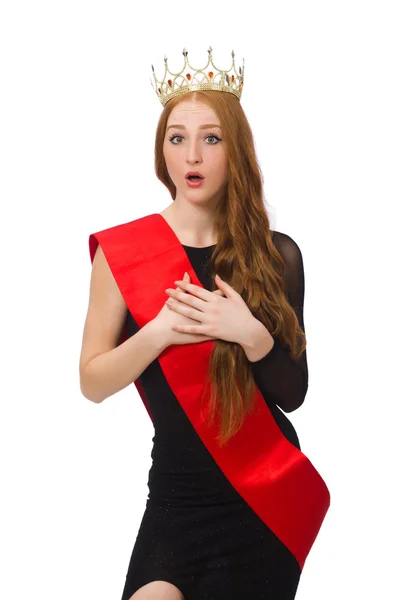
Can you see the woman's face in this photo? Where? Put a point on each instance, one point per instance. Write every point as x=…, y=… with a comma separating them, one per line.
x=194, y=142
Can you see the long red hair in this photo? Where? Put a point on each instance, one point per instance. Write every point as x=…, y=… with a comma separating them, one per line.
x=244, y=256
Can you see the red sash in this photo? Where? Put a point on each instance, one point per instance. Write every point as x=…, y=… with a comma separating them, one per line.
x=273, y=476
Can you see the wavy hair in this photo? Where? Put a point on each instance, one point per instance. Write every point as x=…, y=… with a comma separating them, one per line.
x=244, y=256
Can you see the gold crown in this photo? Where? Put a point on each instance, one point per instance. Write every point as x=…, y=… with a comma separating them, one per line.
x=198, y=79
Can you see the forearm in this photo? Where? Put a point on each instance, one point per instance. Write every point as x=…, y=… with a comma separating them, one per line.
x=257, y=341
x=280, y=379
x=114, y=370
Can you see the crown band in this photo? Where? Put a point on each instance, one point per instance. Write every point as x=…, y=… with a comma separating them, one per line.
x=198, y=79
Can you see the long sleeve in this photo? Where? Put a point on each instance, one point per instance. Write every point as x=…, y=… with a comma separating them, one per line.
x=281, y=380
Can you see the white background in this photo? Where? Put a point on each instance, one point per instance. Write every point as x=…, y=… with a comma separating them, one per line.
x=77, y=125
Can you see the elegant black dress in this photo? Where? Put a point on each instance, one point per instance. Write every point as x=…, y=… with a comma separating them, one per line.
x=197, y=532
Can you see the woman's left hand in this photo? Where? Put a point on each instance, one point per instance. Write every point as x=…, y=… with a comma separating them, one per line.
x=227, y=318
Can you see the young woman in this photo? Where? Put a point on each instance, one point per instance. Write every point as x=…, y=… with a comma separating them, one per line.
x=201, y=306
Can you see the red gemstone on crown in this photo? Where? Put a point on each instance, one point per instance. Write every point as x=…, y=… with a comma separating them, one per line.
x=169, y=82
x=210, y=74
x=232, y=77
x=188, y=76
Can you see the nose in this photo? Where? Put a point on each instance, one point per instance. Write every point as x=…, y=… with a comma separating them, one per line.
x=193, y=152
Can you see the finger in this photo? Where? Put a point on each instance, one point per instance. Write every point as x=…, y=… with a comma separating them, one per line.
x=195, y=290
x=229, y=290
x=198, y=329
x=199, y=292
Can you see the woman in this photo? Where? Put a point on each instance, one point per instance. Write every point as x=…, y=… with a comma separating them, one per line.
x=234, y=506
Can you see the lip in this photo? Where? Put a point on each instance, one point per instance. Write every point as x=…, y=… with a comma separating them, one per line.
x=194, y=173
x=194, y=184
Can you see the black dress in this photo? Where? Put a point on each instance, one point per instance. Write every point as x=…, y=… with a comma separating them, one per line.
x=197, y=532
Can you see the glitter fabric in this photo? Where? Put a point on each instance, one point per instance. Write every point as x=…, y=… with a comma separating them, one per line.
x=197, y=532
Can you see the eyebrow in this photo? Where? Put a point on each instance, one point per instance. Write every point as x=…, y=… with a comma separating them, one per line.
x=201, y=126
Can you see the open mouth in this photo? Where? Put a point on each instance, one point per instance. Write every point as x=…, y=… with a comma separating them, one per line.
x=194, y=181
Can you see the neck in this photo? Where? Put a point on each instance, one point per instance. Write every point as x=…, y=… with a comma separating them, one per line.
x=193, y=225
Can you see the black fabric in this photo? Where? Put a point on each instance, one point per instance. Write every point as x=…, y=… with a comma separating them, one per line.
x=281, y=380
x=197, y=532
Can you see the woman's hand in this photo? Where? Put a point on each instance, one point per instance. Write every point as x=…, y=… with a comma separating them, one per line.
x=227, y=318
x=167, y=318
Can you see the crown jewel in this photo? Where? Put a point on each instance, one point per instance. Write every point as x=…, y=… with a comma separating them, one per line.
x=190, y=79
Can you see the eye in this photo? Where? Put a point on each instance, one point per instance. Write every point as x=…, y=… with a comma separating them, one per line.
x=209, y=135
x=212, y=135
x=172, y=138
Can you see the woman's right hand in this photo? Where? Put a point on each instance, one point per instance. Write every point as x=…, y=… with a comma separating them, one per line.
x=167, y=318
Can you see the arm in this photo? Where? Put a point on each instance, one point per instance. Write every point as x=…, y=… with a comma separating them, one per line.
x=111, y=371
x=281, y=380
x=105, y=367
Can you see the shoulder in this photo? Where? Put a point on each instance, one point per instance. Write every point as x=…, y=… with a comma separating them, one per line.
x=140, y=222
x=117, y=238
x=287, y=247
